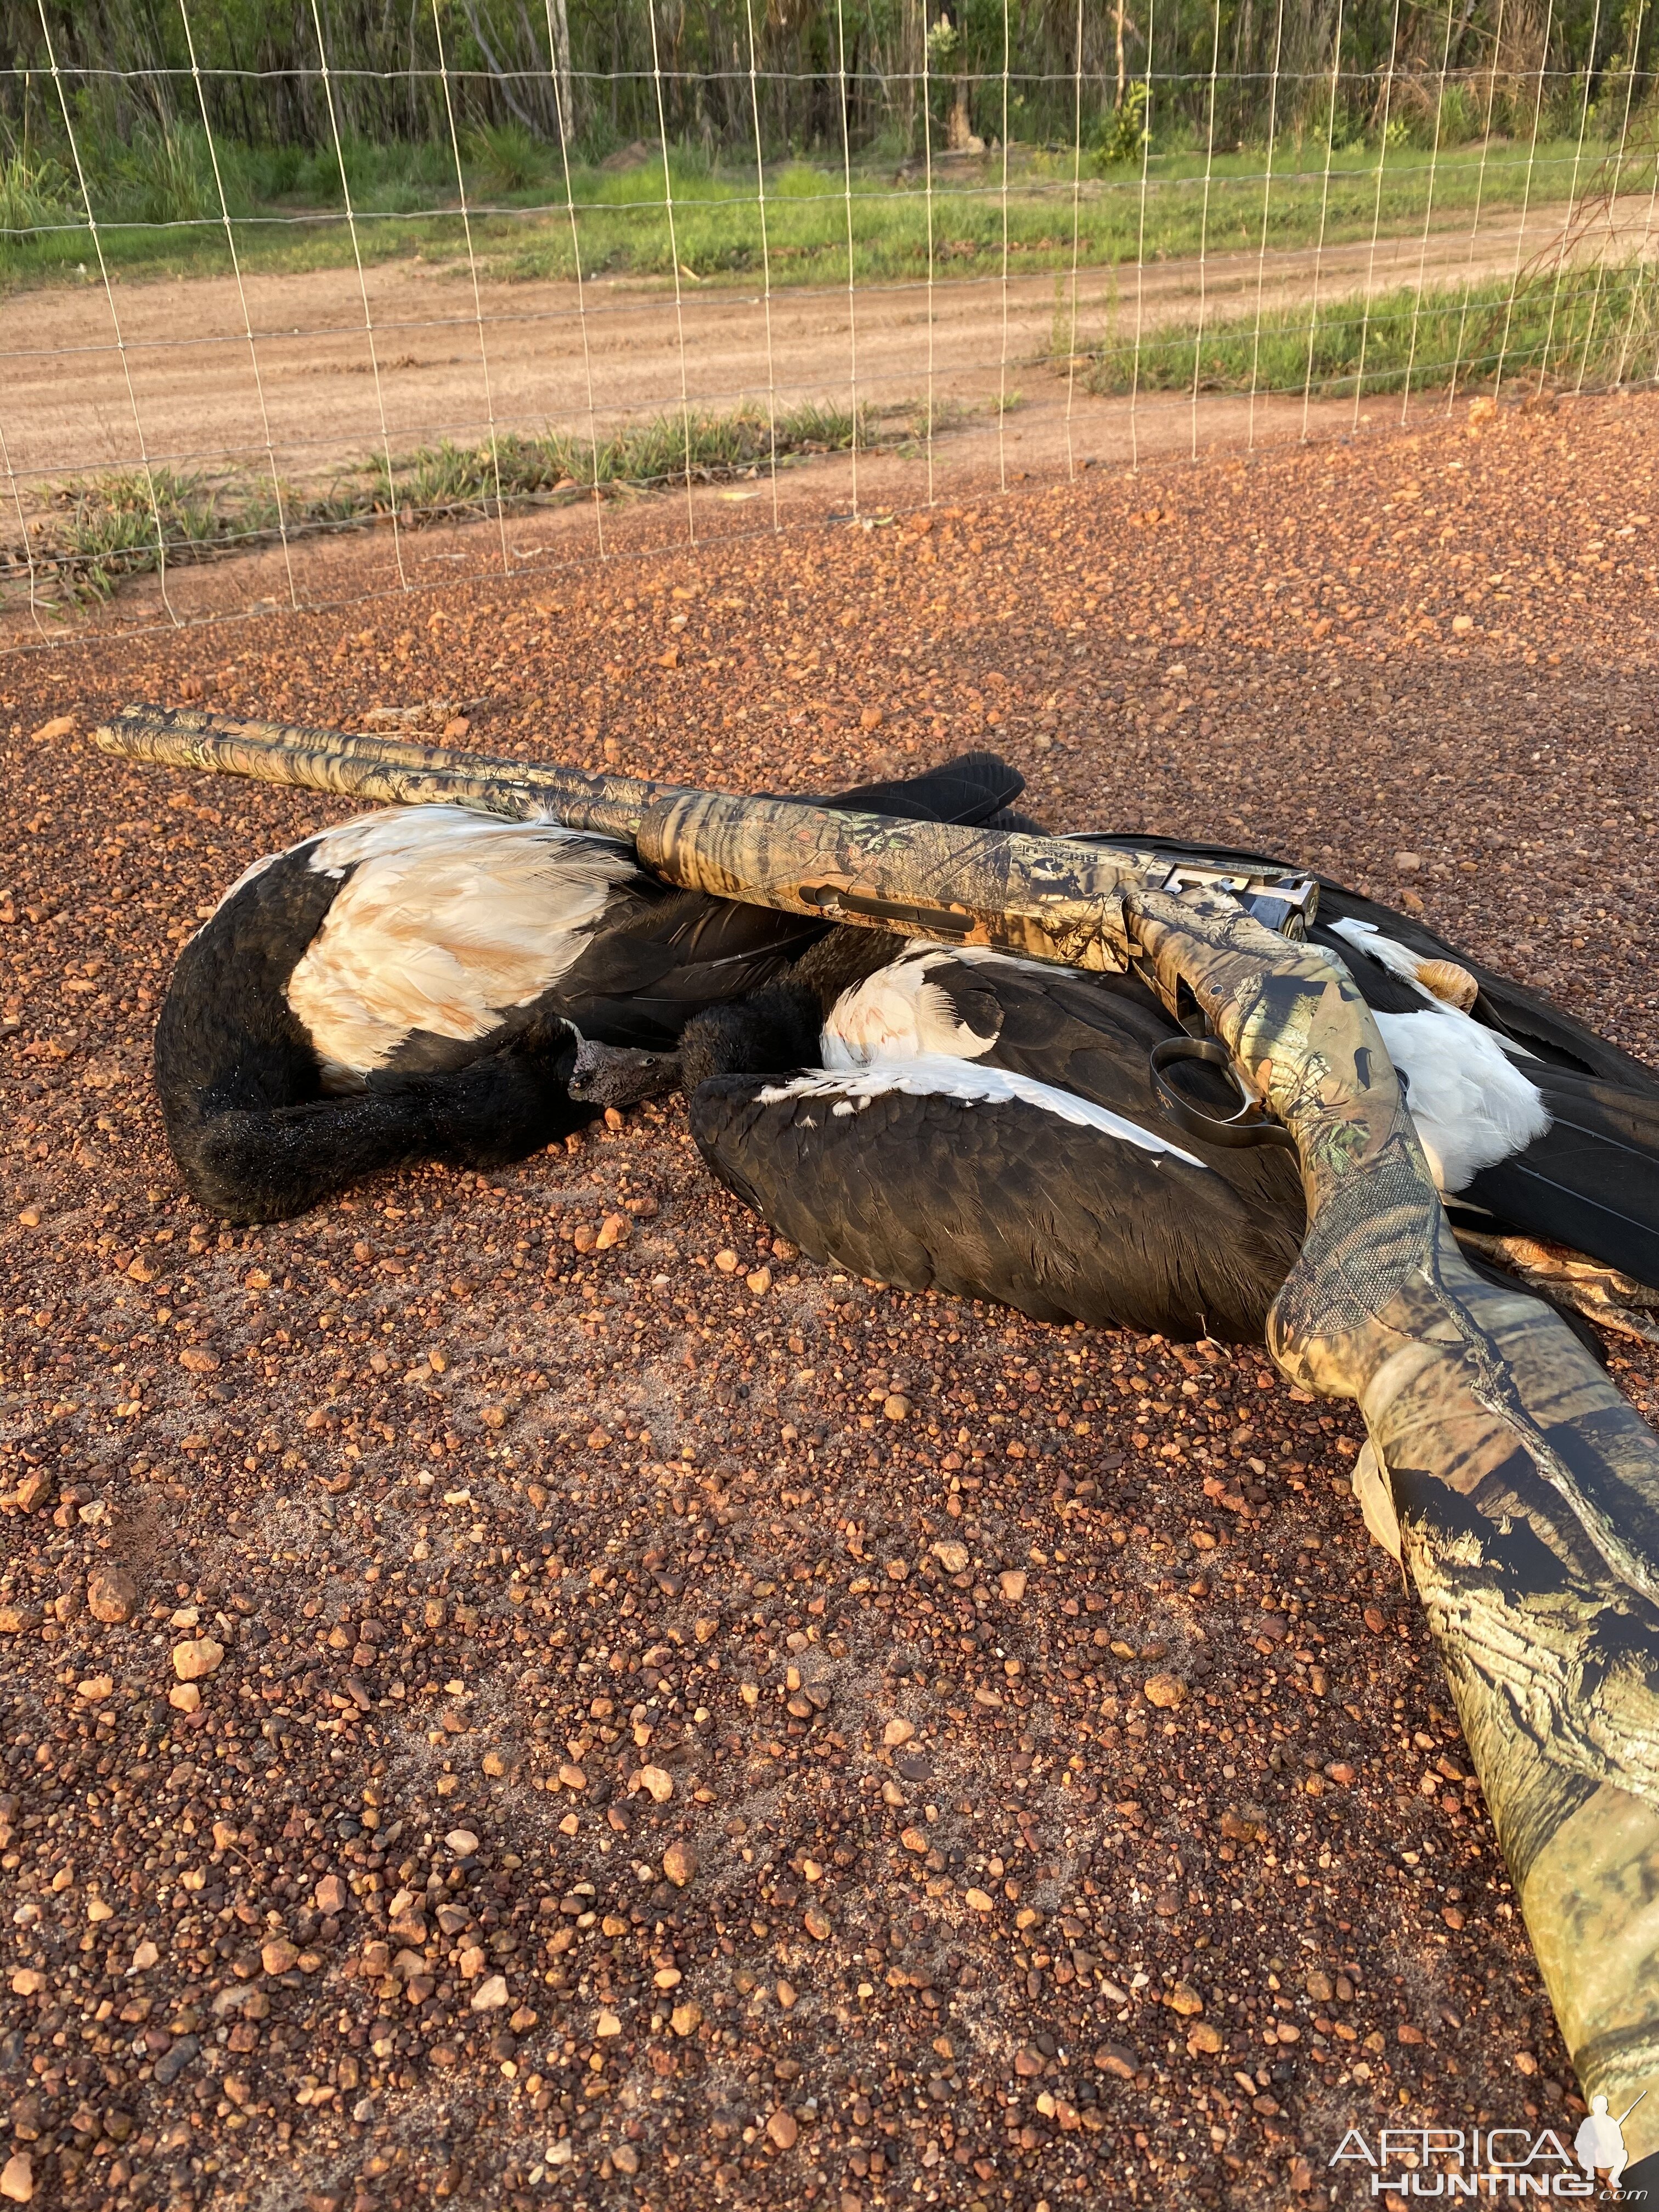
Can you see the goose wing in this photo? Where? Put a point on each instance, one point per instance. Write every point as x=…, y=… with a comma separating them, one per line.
x=1532, y=1123
x=445, y=922
x=974, y=788
x=1590, y=1180
x=1091, y=1036
x=904, y=1176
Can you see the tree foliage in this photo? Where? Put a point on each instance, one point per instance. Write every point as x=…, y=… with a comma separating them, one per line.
x=1414, y=68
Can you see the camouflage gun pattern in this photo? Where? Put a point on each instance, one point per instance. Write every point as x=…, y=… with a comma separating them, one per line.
x=1035, y=896
x=1520, y=1487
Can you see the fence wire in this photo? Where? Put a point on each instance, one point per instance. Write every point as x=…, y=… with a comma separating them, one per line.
x=614, y=344
x=241, y=300
x=115, y=312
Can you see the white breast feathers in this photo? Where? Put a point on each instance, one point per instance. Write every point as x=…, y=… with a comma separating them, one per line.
x=897, y=1014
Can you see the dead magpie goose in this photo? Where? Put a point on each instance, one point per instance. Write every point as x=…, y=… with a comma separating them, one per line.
x=1533, y=1125
x=988, y=1127
x=427, y=983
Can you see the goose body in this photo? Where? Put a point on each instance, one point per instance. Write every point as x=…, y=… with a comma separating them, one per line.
x=985, y=1126
x=429, y=984
x=1020, y=1155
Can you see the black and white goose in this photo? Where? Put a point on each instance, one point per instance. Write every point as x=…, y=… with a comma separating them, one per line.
x=988, y=1127
x=1534, y=1125
x=429, y=983
x=984, y=1126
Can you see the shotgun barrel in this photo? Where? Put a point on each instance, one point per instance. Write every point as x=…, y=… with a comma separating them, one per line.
x=1039, y=897
x=1525, y=1487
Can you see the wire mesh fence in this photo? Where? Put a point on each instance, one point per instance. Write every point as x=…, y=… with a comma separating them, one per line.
x=366, y=319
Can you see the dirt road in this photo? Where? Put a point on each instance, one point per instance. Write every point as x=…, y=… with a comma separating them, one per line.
x=67, y=408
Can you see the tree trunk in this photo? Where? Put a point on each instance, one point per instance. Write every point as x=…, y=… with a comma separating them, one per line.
x=962, y=128
x=559, y=23
x=915, y=41
x=1118, y=15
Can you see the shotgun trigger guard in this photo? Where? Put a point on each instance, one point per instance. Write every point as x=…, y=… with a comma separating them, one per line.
x=1248, y=1127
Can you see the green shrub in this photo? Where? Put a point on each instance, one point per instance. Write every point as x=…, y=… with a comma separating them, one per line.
x=508, y=158
x=166, y=176
x=1460, y=119
x=1123, y=136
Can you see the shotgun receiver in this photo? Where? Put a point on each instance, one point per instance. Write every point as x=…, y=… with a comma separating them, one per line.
x=1523, y=1487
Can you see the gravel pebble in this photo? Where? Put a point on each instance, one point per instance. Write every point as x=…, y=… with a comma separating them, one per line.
x=174, y=2059
x=111, y=1594
x=195, y=1659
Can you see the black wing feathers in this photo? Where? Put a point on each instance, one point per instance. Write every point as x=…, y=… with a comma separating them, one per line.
x=1007, y=1202
x=1591, y=1180
x=226, y=1036
x=972, y=789
x=1093, y=1035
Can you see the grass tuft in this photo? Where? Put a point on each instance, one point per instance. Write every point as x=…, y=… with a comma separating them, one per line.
x=34, y=195
x=106, y=528
x=1600, y=326
x=100, y=529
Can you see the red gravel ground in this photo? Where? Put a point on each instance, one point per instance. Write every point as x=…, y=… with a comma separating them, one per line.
x=682, y=1735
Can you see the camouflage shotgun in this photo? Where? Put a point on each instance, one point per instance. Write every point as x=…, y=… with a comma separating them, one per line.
x=1030, y=895
x=1519, y=1486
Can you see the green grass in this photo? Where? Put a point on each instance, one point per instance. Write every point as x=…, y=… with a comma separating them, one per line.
x=286, y=209
x=714, y=448
x=100, y=529
x=1601, y=324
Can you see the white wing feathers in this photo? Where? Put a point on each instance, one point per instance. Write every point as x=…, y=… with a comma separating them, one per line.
x=449, y=920
x=940, y=1075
